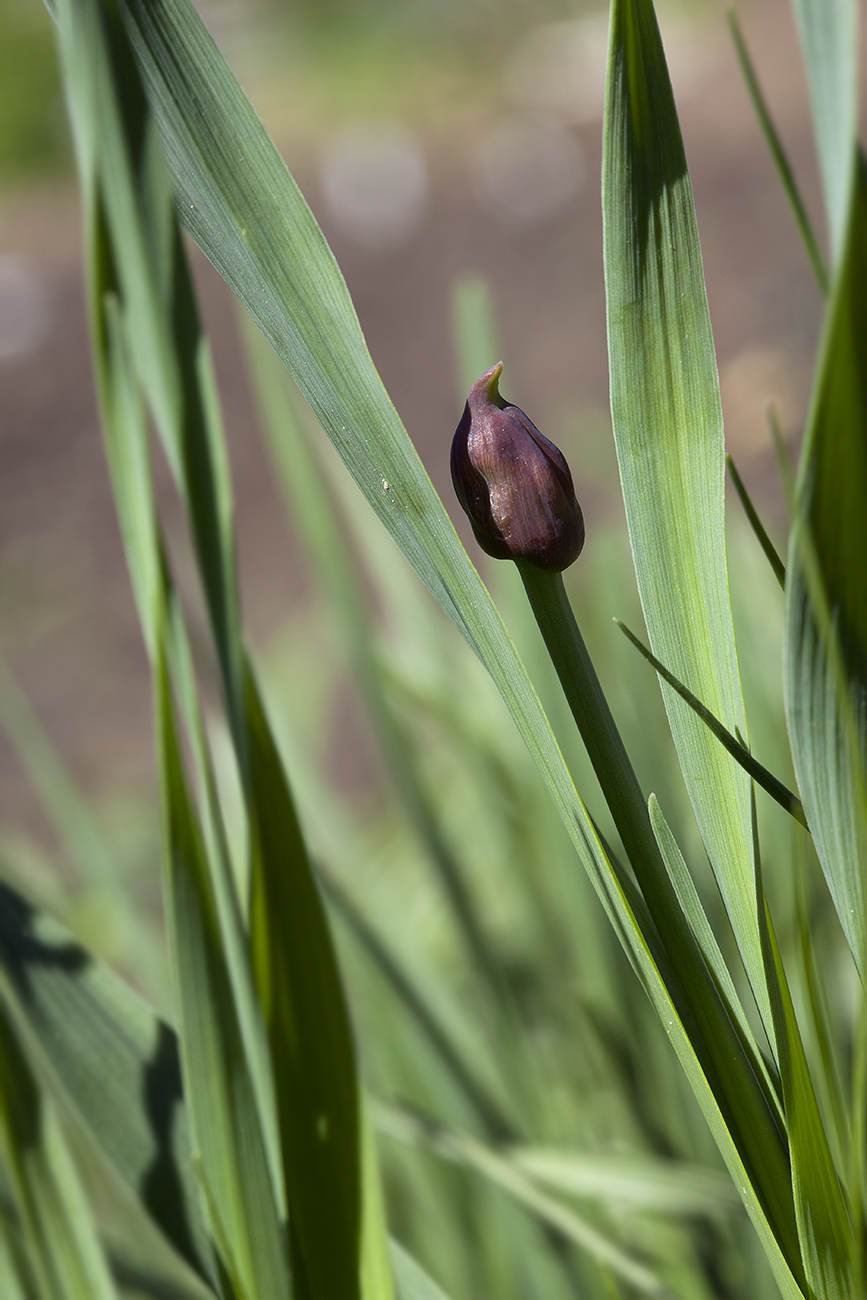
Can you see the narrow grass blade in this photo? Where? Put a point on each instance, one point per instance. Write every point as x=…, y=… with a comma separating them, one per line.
x=857, y=1180
x=477, y=345
x=63, y=1247
x=225, y=1076
x=756, y=524
x=827, y=1239
x=422, y=1013
x=377, y=1273
x=139, y=256
x=254, y=225
x=716, y=1035
x=778, y=153
x=829, y=42
x=710, y=950
x=306, y=1017
x=826, y=597
x=16, y=1280
x=760, y=775
x=223, y=963
x=314, y=517
x=783, y=455
x=668, y=430
x=223, y=1105
x=412, y=1281
x=506, y=1174
x=77, y=830
x=825, y=1045
x=116, y=1064
x=637, y=1181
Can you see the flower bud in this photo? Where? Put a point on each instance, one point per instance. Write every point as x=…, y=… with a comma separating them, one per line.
x=513, y=483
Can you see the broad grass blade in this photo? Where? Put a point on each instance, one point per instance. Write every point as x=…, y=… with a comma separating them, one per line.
x=826, y=596
x=64, y=1251
x=16, y=1282
x=340, y=576
x=827, y=1239
x=226, y=1078
x=116, y=1065
x=829, y=41
x=668, y=429
x=707, y=942
x=226, y=1120
x=254, y=225
x=412, y=1281
x=312, y=1053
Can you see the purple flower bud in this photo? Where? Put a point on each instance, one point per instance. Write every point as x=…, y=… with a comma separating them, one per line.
x=513, y=483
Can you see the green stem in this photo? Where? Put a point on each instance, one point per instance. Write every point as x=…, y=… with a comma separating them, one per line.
x=724, y=1058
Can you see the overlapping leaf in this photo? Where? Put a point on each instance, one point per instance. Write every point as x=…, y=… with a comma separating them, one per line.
x=829, y=40
x=63, y=1249
x=826, y=646
x=668, y=428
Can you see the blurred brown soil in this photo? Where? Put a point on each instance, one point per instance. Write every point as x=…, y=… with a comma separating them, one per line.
x=67, y=623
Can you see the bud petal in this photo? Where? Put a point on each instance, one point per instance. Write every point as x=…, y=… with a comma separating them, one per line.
x=513, y=483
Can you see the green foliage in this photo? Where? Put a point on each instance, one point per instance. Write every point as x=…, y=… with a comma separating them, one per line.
x=505, y=1099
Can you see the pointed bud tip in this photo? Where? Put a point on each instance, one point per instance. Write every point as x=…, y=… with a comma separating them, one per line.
x=486, y=391
x=513, y=484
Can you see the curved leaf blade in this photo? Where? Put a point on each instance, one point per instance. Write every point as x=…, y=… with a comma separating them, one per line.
x=307, y=1019
x=829, y=40
x=116, y=1064
x=63, y=1248
x=826, y=597
x=668, y=429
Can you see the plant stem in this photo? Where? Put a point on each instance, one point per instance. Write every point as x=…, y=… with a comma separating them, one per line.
x=723, y=1056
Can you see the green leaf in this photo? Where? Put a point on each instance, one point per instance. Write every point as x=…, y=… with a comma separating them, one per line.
x=629, y=1180
x=507, y=1175
x=756, y=524
x=696, y=916
x=781, y=162
x=827, y=1239
x=220, y=1095
x=63, y=1248
x=314, y=517
x=829, y=41
x=760, y=775
x=116, y=1065
x=412, y=993
x=826, y=597
x=137, y=254
x=252, y=222
x=668, y=430
x=412, y=1281
x=377, y=1274
x=15, y=1280
x=78, y=832
x=477, y=344
x=306, y=1017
